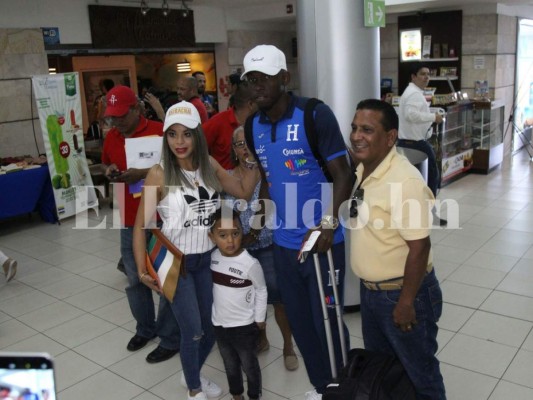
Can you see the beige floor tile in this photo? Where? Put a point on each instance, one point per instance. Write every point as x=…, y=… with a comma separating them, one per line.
x=71, y=368
x=106, y=349
x=462, y=384
x=95, y=298
x=506, y=390
x=79, y=330
x=102, y=385
x=497, y=328
x=520, y=371
x=51, y=315
x=477, y=355
x=508, y=304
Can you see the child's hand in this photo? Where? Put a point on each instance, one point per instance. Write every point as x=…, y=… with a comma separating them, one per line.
x=261, y=325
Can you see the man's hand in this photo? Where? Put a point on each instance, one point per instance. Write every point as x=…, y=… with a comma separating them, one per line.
x=404, y=317
x=324, y=241
x=209, y=108
x=112, y=172
x=156, y=105
x=438, y=118
x=261, y=325
x=132, y=175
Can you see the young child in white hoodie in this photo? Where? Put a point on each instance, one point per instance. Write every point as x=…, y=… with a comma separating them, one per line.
x=239, y=303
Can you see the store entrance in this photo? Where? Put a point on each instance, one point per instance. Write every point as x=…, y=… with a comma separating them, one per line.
x=154, y=72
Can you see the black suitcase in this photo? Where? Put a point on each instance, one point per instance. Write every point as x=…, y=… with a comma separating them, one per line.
x=371, y=376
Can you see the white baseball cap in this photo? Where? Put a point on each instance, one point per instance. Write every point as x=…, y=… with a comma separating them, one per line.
x=264, y=58
x=183, y=113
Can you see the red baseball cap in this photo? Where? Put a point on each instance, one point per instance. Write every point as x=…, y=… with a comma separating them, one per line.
x=119, y=100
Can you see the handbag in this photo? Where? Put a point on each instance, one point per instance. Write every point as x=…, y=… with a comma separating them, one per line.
x=165, y=263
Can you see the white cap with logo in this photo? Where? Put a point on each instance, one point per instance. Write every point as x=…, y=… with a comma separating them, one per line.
x=183, y=113
x=264, y=58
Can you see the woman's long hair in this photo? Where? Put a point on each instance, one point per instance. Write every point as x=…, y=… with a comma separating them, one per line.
x=174, y=176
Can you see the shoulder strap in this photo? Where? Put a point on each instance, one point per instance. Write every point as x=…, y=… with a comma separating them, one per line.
x=309, y=125
x=249, y=134
x=312, y=139
x=312, y=136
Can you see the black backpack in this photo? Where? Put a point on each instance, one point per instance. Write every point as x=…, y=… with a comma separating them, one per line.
x=371, y=375
x=310, y=133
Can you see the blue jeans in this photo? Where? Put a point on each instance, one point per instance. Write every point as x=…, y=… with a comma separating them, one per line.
x=192, y=309
x=142, y=303
x=237, y=347
x=265, y=256
x=433, y=170
x=299, y=293
x=415, y=349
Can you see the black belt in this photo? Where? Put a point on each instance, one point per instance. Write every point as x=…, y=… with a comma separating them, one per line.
x=409, y=141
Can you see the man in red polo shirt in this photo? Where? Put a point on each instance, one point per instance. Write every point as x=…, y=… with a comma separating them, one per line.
x=188, y=91
x=218, y=130
x=124, y=114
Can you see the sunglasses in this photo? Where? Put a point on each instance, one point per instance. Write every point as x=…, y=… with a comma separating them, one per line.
x=357, y=198
x=240, y=144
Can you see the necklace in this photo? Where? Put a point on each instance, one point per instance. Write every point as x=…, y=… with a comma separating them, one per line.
x=192, y=177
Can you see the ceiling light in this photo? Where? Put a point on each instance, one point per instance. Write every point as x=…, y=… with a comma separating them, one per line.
x=165, y=8
x=144, y=7
x=184, y=66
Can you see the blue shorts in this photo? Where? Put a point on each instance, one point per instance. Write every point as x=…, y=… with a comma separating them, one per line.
x=265, y=256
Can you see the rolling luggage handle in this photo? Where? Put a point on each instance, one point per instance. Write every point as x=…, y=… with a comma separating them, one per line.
x=327, y=323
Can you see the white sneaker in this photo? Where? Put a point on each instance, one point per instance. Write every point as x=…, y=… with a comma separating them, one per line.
x=10, y=269
x=210, y=388
x=313, y=395
x=199, y=396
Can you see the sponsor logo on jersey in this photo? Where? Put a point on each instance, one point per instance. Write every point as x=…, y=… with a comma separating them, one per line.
x=296, y=164
x=293, y=152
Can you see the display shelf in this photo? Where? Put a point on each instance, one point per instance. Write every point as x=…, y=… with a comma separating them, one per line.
x=451, y=141
x=443, y=78
x=445, y=48
x=432, y=60
x=453, y=144
x=487, y=135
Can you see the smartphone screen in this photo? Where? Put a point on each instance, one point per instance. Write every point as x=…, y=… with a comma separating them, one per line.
x=27, y=376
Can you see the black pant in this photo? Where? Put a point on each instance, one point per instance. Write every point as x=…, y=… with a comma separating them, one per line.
x=238, y=350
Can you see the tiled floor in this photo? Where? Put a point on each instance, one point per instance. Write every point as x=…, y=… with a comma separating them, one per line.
x=68, y=299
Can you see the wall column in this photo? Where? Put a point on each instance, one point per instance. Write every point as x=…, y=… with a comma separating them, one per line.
x=338, y=58
x=338, y=62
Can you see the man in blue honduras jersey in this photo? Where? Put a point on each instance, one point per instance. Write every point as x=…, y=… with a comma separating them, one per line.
x=304, y=201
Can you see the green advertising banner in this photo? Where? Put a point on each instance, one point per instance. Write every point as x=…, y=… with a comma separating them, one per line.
x=374, y=13
x=59, y=105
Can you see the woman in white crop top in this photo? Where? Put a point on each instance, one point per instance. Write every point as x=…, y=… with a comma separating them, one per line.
x=184, y=189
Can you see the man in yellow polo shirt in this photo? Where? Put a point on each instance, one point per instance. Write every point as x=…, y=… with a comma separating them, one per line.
x=390, y=217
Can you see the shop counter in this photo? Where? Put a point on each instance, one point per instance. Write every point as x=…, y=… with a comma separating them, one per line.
x=25, y=191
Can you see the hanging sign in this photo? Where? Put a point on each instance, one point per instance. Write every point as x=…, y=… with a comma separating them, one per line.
x=374, y=13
